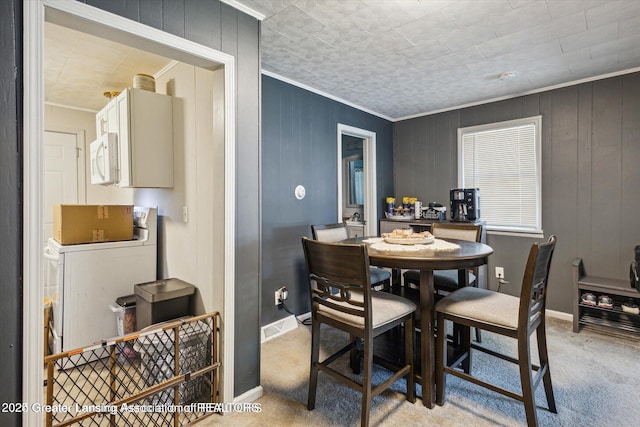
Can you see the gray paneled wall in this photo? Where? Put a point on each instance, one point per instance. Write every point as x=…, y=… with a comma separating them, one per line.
x=10, y=208
x=299, y=146
x=590, y=175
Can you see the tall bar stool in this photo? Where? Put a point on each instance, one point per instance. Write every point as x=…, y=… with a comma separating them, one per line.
x=505, y=315
x=342, y=298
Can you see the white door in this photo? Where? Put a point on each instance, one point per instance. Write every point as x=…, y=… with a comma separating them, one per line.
x=61, y=154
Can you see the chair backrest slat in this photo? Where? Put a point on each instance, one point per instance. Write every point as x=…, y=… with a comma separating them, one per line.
x=329, y=289
x=534, y=283
x=330, y=232
x=460, y=231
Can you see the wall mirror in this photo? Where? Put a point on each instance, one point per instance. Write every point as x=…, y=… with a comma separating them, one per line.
x=355, y=178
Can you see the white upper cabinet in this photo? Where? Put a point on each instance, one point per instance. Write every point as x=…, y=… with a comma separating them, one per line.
x=107, y=119
x=143, y=121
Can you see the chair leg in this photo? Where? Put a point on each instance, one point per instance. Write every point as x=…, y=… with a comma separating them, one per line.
x=524, y=362
x=544, y=361
x=409, y=333
x=465, y=341
x=396, y=279
x=354, y=354
x=366, y=380
x=478, y=336
x=441, y=359
x=313, y=372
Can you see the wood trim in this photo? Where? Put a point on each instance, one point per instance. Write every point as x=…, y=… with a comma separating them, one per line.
x=369, y=157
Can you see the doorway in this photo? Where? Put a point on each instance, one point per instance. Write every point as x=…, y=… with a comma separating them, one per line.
x=370, y=216
x=63, y=174
x=94, y=21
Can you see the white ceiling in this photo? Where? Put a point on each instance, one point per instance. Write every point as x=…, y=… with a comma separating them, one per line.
x=79, y=68
x=394, y=58
x=400, y=58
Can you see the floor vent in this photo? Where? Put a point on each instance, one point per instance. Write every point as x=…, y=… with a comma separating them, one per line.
x=278, y=328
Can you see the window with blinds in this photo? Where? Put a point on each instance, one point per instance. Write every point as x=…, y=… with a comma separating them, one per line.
x=503, y=161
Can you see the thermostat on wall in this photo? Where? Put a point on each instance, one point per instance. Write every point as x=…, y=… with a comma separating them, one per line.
x=300, y=192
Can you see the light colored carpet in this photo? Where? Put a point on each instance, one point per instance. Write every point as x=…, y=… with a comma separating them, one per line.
x=596, y=381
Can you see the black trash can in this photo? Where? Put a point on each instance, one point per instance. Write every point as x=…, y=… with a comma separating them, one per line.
x=162, y=300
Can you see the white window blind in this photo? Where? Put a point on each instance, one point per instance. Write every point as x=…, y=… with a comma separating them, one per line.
x=503, y=161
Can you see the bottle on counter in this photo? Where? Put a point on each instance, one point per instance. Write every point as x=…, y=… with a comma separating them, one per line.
x=417, y=209
x=405, y=203
x=391, y=205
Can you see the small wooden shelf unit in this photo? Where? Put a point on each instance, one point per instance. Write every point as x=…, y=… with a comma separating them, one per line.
x=611, y=320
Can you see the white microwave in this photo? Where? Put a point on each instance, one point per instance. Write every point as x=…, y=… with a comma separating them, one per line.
x=104, y=159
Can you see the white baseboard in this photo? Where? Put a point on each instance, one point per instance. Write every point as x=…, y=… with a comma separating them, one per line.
x=560, y=315
x=304, y=316
x=250, y=395
x=278, y=328
x=281, y=327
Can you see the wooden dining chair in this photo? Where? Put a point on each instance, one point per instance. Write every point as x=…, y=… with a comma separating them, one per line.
x=341, y=298
x=508, y=316
x=446, y=281
x=380, y=277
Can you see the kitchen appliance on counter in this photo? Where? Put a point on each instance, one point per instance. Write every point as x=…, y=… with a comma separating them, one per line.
x=435, y=211
x=465, y=204
x=88, y=277
x=104, y=159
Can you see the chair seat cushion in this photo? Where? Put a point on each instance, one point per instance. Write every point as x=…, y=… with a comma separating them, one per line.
x=385, y=308
x=379, y=274
x=482, y=305
x=442, y=279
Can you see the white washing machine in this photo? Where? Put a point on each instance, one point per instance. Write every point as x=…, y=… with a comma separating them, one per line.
x=85, y=279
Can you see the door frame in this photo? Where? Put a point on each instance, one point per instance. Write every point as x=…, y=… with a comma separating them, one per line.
x=83, y=17
x=369, y=159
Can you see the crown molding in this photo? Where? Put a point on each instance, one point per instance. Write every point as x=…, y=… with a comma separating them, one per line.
x=245, y=9
x=324, y=94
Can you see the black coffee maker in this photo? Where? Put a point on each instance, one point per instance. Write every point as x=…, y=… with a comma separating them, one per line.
x=465, y=204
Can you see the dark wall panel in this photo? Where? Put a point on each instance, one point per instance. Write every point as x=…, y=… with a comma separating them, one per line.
x=630, y=193
x=585, y=215
x=299, y=146
x=126, y=8
x=590, y=152
x=10, y=208
x=247, y=296
x=198, y=15
x=173, y=16
x=150, y=14
x=606, y=146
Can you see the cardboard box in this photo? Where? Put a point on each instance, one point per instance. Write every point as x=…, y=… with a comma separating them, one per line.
x=74, y=224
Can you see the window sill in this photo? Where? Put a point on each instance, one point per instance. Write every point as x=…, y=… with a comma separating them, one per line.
x=527, y=234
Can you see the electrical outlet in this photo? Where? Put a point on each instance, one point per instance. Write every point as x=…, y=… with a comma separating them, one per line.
x=500, y=272
x=281, y=295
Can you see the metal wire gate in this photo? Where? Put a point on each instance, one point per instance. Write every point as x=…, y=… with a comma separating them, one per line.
x=164, y=375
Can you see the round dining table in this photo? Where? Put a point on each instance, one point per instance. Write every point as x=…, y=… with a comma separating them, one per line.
x=467, y=255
